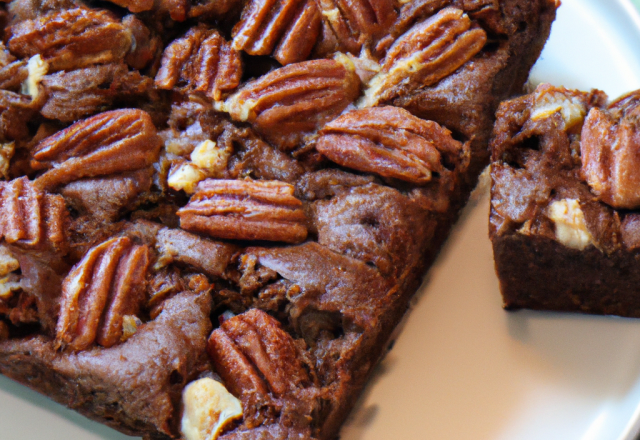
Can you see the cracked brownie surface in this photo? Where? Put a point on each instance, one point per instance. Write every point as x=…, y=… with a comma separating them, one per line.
x=214, y=213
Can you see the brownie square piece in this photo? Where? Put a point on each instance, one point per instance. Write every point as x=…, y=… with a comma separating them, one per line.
x=215, y=213
x=565, y=195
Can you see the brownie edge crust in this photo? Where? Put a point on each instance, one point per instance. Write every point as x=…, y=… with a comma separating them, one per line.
x=214, y=214
x=564, y=221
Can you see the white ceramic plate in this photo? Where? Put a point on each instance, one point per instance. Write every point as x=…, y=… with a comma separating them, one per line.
x=463, y=368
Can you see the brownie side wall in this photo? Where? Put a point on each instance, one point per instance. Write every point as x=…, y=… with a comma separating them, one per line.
x=374, y=348
x=539, y=273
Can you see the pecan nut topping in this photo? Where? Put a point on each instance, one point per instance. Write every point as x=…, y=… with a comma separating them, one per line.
x=104, y=287
x=245, y=210
x=109, y=143
x=255, y=356
x=293, y=101
x=203, y=61
x=609, y=149
x=30, y=218
x=292, y=25
x=73, y=38
x=299, y=38
x=427, y=53
x=239, y=375
x=389, y=142
x=351, y=24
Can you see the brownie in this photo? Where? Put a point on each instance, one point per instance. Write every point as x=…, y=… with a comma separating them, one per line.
x=214, y=214
x=564, y=204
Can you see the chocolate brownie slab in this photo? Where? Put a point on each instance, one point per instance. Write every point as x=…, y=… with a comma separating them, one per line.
x=214, y=214
x=564, y=201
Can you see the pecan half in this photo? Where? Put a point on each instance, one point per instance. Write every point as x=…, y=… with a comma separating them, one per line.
x=201, y=61
x=245, y=210
x=389, y=142
x=352, y=23
x=293, y=101
x=109, y=143
x=104, y=287
x=428, y=52
x=73, y=38
x=30, y=218
x=609, y=149
x=300, y=36
x=255, y=356
x=293, y=25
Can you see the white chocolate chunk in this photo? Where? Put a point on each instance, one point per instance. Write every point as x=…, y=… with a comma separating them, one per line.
x=208, y=408
x=550, y=101
x=37, y=68
x=185, y=177
x=8, y=263
x=8, y=286
x=130, y=324
x=239, y=109
x=346, y=61
x=332, y=15
x=571, y=228
x=209, y=157
x=6, y=153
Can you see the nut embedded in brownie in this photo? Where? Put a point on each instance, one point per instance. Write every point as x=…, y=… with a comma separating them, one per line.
x=564, y=201
x=214, y=213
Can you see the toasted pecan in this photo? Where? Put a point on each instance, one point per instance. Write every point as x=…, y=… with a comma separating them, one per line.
x=109, y=143
x=72, y=38
x=30, y=218
x=104, y=287
x=203, y=62
x=427, y=53
x=289, y=103
x=389, y=142
x=245, y=210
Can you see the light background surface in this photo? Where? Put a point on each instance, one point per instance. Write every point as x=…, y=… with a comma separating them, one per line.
x=463, y=368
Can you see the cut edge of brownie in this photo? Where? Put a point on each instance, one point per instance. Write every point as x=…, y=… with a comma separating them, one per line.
x=560, y=243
